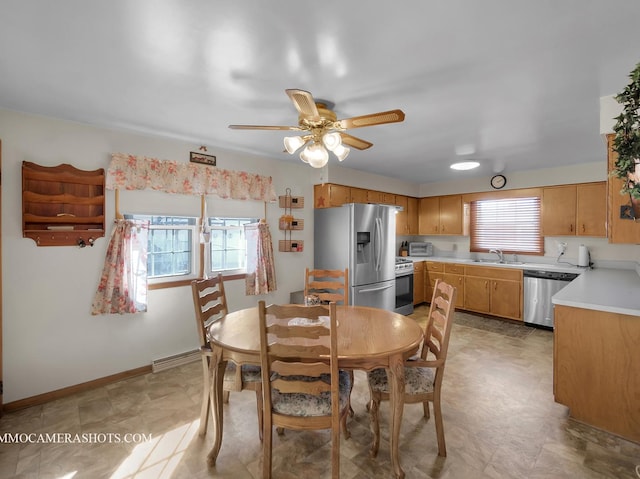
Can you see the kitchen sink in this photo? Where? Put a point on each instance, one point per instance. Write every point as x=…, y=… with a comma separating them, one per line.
x=495, y=261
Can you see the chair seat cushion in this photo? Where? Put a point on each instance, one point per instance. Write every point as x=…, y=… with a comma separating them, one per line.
x=297, y=404
x=417, y=380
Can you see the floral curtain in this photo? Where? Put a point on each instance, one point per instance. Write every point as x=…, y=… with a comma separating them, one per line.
x=123, y=284
x=261, y=271
x=130, y=172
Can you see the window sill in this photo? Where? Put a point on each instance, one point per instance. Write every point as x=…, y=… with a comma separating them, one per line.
x=187, y=282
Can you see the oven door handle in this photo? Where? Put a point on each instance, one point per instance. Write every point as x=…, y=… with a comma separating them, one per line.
x=373, y=290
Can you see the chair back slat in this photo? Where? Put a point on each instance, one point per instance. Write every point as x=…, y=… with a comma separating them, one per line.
x=298, y=351
x=287, y=369
x=310, y=332
x=300, y=387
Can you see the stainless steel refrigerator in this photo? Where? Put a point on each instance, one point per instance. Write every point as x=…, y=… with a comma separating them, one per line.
x=362, y=238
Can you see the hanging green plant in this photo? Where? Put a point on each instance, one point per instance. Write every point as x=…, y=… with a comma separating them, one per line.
x=627, y=137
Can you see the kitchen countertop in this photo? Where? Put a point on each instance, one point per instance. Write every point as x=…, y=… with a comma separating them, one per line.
x=560, y=267
x=603, y=289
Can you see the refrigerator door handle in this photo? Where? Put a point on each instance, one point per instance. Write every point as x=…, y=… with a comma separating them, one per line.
x=378, y=245
x=373, y=290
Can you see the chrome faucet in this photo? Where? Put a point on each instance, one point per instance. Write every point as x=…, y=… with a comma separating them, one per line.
x=499, y=253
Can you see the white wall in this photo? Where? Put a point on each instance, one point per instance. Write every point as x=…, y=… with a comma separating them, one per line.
x=50, y=339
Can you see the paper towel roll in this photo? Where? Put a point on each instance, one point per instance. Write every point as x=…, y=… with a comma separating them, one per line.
x=583, y=256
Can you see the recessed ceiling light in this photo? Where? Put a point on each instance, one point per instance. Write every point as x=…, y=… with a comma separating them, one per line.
x=465, y=165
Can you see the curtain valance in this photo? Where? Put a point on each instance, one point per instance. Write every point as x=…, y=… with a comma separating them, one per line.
x=130, y=172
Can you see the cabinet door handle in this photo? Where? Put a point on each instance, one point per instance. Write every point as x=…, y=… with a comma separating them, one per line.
x=583, y=228
x=571, y=228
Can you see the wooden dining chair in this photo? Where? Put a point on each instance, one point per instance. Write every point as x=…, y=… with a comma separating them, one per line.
x=210, y=303
x=423, y=372
x=302, y=386
x=327, y=284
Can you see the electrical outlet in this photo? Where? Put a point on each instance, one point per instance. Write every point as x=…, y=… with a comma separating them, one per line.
x=562, y=247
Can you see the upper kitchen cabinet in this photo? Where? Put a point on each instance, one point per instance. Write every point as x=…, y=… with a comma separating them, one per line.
x=592, y=209
x=358, y=195
x=401, y=216
x=380, y=197
x=328, y=195
x=575, y=210
x=620, y=230
x=412, y=215
x=407, y=219
x=440, y=215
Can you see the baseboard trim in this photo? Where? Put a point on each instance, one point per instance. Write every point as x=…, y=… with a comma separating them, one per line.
x=78, y=388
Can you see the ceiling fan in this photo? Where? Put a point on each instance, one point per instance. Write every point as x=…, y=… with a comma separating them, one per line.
x=324, y=132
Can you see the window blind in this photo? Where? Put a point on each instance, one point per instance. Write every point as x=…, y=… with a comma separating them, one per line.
x=509, y=224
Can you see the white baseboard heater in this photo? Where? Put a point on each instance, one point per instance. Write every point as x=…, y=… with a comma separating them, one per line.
x=169, y=362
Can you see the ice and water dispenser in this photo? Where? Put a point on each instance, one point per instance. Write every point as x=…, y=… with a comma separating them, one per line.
x=363, y=247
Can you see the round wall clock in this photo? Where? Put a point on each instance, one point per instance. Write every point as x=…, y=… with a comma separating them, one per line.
x=498, y=181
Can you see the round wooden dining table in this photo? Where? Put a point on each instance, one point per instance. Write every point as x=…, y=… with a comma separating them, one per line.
x=368, y=338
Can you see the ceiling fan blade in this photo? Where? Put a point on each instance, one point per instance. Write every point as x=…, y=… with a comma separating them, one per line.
x=354, y=142
x=263, y=127
x=391, y=116
x=304, y=103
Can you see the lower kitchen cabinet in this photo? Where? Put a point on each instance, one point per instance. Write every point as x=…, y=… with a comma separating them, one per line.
x=433, y=271
x=481, y=289
x=477, y=294
x=595, y=368
x=418, y=282
x=494, y=291
x=454, y=275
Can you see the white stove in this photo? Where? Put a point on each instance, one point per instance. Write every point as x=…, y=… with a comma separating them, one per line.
x=403, y=266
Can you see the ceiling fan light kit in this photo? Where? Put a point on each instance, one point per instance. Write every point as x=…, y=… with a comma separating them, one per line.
x=315, y=155
x=325, y=131
x=294, y=143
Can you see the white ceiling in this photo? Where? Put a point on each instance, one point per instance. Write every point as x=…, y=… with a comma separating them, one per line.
x=520, y=80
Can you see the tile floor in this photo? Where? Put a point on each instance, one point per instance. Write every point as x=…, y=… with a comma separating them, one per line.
x=499, y=415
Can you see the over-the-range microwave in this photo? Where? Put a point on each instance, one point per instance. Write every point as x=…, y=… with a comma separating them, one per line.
x=420, y=248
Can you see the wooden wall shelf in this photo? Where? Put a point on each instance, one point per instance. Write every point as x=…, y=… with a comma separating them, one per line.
x=295, y=225
x=288, y=201
x=62, y=205
x=291, y=246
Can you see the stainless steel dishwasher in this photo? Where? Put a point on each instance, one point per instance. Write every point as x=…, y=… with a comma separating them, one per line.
x=539, y=287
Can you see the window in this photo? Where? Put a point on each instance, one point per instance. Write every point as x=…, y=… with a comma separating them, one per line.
x=173, y=247
x=228, y=248
x=509, y=224
x=170, y=247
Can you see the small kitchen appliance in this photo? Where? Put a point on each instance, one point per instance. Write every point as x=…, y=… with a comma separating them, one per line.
x=584, y=258
x=420, y=248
